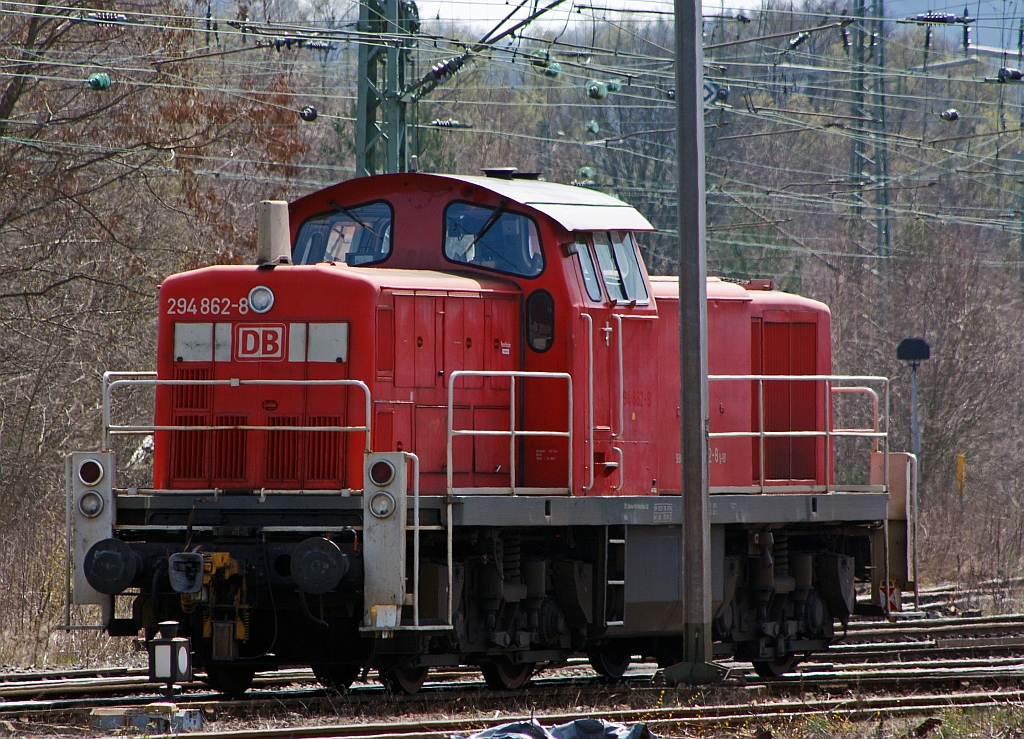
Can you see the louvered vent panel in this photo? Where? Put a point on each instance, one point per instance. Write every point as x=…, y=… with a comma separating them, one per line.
x=324, y=455
x=188, y=449
x=191, y=396
x=283, y=450
x=229, y=449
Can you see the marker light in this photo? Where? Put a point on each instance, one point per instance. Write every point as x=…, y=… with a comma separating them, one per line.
x=382, y=473
x=90, y=472
x=261, y=299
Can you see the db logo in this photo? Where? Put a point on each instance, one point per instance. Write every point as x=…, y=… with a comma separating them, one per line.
x=259, y=341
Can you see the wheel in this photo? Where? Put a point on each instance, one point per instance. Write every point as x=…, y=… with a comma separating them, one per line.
x=610, y=663
x=231, y=680
x=503, y=674
x=339, y=677
x=403, y=679
x=769, y=669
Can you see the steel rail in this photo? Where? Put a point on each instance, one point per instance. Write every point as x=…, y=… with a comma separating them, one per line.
x=656, y=718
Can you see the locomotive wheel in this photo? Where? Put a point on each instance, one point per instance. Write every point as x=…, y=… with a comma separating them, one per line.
x=339, y=677
x=407, y=680
x=503, y=674
x=773, y=668
x=231, y=680
x=610, y=663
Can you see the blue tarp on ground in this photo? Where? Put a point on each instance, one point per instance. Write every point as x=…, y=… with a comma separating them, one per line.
x=586, y=728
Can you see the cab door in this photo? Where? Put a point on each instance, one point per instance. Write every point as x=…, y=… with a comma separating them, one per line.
x=632, y=373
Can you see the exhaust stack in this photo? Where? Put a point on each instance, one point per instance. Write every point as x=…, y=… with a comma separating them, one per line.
x=274, y=245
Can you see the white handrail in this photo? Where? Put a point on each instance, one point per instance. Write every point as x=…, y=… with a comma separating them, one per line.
x=512, y=433
x=876, y=431
x=113, y=380
x=622, y=379
x=590, y=397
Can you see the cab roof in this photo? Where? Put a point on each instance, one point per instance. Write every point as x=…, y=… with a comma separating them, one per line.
x=574, y=208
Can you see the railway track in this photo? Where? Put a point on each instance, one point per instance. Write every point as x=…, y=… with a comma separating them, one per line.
x=661, y=720
x=935, y=655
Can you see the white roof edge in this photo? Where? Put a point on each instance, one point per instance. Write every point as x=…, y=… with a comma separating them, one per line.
x=573, y=208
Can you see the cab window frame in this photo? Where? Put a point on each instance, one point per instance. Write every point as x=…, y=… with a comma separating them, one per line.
x=327, y=214
x=506, y=211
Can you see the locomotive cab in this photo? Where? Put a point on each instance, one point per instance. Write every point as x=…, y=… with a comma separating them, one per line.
x=447, y=432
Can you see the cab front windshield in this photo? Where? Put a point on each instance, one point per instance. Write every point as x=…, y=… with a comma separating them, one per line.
x=492, y=238
x=357, y=236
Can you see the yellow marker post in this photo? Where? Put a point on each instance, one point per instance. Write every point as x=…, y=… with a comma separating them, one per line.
x=960, y=471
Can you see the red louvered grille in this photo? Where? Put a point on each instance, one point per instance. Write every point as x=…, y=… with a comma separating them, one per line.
x=191, y=396
x=282, y=450
x=323, y=459
x=188, y=449
x=229, y=449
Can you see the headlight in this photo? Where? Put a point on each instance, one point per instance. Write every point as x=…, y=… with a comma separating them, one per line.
x=91, y=504
x=382, y=504
x=261, y=299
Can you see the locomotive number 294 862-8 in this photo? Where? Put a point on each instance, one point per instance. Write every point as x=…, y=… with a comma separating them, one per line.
x=206, y=306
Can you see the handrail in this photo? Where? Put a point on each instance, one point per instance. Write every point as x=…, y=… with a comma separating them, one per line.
x=590, y=396
x=875, y=432
x=512, y=432
x=622, y=379
x=113, y=380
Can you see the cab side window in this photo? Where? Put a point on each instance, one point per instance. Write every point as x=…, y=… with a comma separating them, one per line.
x=609, y=269
x=590, y=279
x=540, y=320
x=620, y=266
x=356, y=235
x=492, y=238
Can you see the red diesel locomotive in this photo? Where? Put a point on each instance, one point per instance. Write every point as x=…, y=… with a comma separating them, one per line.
x=438, y=424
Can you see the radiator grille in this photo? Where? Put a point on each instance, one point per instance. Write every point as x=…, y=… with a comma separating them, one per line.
x=229, y=449
x=188, y=449
x=282, y=450
x=191, y=396
x=324, y=450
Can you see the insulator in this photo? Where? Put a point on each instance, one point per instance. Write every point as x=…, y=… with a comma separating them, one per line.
x=443, y=70
x=798, y=39
x=933, y=17
x=105, y=18
x=308, y=114
x=98, y=81
x=552, y=70
x=846, y=39
x=320, y=45
x=597, y=90
x=540, y=58
x=614, y=85
x=449, y=123
x=950, y=115
x=1007, y=74
x=592, y=127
